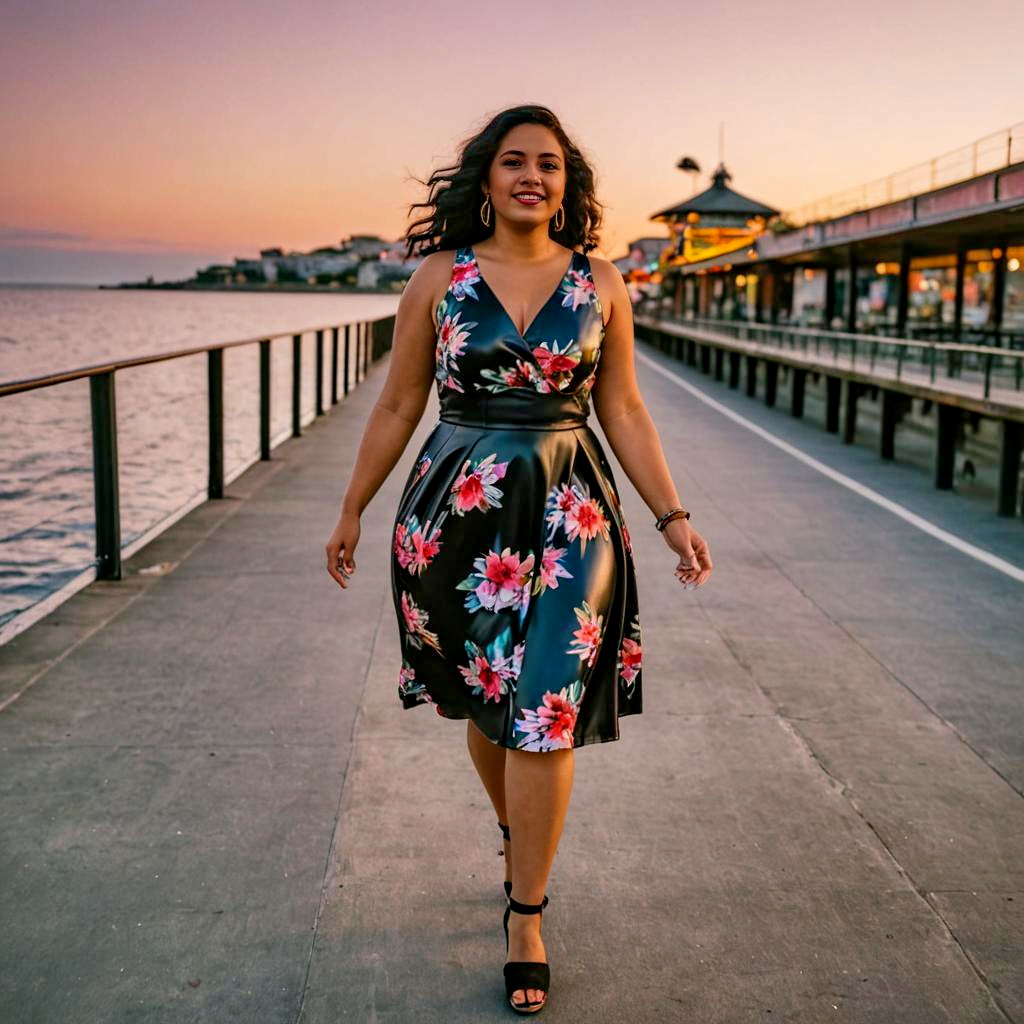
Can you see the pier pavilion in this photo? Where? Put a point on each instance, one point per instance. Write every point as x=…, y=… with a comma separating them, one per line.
x=944, y=262
x=900, y=292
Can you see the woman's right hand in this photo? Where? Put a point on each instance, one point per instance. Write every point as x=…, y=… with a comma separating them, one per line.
x=341, y=548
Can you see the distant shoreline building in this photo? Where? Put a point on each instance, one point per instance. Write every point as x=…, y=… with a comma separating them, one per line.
x=360, y=261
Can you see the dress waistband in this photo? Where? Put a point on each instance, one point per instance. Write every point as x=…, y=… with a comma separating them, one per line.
x=516, y=409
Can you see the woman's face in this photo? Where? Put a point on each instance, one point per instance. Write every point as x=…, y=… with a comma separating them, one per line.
x=529, y=164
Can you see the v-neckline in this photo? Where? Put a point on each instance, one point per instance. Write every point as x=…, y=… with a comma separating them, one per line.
x=501, y=305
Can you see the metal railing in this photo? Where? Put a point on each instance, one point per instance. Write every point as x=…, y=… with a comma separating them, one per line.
x=1000, y=149
x=366, y=340
x=987, y=362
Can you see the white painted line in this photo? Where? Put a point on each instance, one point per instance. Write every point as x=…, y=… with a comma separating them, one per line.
x=980, y=554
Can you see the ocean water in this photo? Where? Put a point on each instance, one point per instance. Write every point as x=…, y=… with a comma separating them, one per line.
x=46, y=494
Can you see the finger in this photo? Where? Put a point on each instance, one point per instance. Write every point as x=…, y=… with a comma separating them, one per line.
x=337, y=576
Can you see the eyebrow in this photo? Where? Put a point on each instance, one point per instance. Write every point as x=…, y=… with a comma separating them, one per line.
x=519, y=152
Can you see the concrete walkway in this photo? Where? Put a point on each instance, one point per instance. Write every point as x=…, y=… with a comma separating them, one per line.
x=214, y=808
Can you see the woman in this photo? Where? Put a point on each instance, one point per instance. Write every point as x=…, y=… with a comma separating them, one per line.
x=511, y=564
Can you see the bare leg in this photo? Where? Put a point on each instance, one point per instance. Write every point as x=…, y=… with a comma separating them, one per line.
x=489, y=760
x=537, y=790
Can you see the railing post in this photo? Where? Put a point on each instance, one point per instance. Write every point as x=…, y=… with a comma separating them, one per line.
x=347, y=358
x=367, y=338
x=334, y=366
x=106, y=493
x=265, y=400
x=320, y=373
x=215, y=379
x=296, y=385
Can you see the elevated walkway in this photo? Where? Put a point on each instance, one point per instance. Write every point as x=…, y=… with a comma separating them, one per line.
x=216, y=810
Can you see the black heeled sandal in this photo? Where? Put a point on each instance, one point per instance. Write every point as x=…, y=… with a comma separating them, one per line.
x=524, y=974
x=508, y=883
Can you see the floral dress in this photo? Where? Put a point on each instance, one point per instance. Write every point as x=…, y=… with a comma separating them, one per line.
x=511, y=565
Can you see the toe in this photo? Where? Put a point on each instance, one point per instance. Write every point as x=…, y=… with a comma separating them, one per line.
x=519, y=997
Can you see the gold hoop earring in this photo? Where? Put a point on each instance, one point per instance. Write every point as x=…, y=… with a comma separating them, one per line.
x=561, y=210
x=486, y=204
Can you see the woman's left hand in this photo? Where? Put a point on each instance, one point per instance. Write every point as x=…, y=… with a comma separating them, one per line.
x=694, y=566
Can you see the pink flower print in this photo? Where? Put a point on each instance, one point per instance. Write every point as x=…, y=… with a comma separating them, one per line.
x=415, y=545
x=408, y=687
x=451, y=343
x=422, y=466
x=630, y=659
x=522, y=375
x=500, y=581
x=579, y=288
x=465, y=274
x=400, y=550
x=551, y=569
x=492, y=672
x=630, y=656
x=557, y=366
x=588, y=636
x=549, y=726
x=416, y=624
x=586, y=519
x=560, y=500
x=481, y=675
x=625, y=536
x=476, y=488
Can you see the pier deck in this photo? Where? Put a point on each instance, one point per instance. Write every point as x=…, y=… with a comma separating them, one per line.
x=215, y=809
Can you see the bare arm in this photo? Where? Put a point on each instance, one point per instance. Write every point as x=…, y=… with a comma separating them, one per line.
x=396, y=413
x=631, y=432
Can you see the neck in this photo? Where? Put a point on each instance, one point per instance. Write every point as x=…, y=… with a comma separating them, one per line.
x=530, y=244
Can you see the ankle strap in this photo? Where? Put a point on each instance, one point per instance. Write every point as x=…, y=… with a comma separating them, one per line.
x=527, y=908
x=504, y=831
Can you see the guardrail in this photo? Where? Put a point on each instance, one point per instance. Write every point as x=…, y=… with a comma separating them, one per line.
x=1000, y=149
x=370, y=339
x=1004, y=365
x=704, y=344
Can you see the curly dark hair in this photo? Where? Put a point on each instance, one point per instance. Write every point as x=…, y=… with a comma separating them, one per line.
x=455, y=196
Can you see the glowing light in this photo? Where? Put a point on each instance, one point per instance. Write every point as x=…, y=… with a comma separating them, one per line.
x=1013, y=263
x=741, y=280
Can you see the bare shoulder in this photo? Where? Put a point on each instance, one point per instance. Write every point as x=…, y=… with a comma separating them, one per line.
x=428, y=282
x=611, y=288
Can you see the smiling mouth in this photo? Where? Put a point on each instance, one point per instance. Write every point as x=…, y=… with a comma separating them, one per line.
x=528, y=198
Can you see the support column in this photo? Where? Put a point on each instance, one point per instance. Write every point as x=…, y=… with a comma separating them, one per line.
x=796, y=394
x=945, y=445
x=851, y=292
x=751, y=376
x=734, y=369
x=771, y=380
x=830, y=297
x=719, y=363
x=1009, y=467
x=903, y=298
x=832, y=392
x=958, y=295
x=998, y=289
x=850, y=418
x=890, y=417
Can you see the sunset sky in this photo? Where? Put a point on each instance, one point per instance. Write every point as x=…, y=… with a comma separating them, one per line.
x=154, y=137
